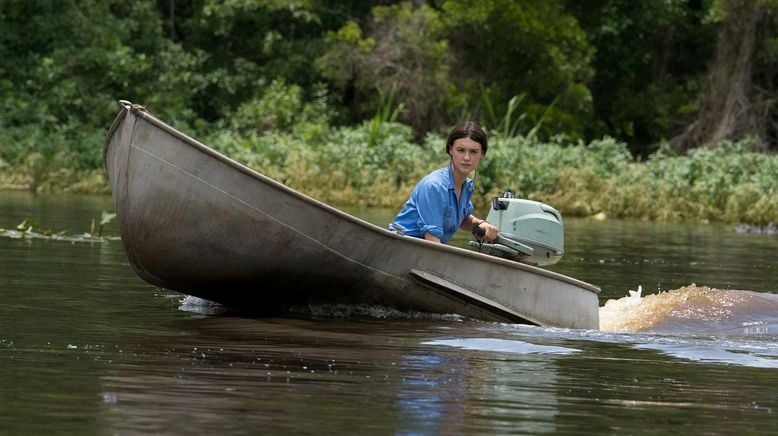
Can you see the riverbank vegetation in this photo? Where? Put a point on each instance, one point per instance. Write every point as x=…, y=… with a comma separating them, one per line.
x=357, y=165
x=729, y=183
x=609, y=108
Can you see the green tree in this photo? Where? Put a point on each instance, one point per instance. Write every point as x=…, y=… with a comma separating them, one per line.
x=65, y=64
x=649, y=60
x=245, y=45
x=739, y=93
x=506, y=48
x=403, y=51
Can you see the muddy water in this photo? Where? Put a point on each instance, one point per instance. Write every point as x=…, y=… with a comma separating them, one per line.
x=88, y=348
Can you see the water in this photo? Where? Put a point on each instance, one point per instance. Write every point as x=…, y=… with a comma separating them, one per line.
x=86, y=347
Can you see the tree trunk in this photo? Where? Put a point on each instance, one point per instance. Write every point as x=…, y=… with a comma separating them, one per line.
x=728, y=108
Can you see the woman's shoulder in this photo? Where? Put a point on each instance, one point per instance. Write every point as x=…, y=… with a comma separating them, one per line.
x=437, y=179
x=441, y=175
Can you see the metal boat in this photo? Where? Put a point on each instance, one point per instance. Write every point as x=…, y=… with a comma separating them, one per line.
x=197, y=222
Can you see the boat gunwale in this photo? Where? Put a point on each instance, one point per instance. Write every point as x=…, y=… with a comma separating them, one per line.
x=143, y=113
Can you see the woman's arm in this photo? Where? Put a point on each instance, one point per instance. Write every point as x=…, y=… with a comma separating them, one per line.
x=491, y=232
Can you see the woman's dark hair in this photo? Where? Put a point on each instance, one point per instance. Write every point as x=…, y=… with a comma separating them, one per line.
x=470, y=130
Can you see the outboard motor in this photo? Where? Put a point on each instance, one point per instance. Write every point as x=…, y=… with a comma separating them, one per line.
x=530, y=231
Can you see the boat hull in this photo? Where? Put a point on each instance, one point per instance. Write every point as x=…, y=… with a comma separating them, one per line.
x=197, y=222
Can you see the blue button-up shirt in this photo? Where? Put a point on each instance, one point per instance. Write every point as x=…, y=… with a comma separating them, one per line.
x=433, y=207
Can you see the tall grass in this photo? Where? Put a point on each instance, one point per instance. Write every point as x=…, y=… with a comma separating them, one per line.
x=387, y=112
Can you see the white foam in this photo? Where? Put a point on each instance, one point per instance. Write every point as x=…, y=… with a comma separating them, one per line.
x=200, y=305
x=501, y=345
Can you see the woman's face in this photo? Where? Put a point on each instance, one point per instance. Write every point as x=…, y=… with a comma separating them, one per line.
x=465, y=155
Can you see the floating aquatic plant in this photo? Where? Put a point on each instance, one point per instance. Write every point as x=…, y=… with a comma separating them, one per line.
x=105, y=219
x=31, y=229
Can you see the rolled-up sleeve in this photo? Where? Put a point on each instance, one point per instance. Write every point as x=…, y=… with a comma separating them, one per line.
x=434, y=208
x=431, y=200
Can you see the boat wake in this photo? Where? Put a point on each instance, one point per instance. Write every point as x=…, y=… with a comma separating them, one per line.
x=370, y=311
x=693, y=310
x=688, y=311
x=326, y=311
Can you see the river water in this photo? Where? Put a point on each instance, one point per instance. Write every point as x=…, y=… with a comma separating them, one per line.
x=86, y=347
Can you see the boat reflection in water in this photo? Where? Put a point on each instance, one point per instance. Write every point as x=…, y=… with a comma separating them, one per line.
x=372, y=369
x=233, y=374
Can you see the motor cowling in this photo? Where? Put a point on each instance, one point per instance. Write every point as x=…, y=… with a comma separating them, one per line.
x=530, y=231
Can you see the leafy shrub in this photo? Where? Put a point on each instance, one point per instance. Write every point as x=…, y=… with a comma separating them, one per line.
x=281, y=107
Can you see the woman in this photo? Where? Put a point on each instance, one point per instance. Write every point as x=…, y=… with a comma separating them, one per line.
x=440, y=203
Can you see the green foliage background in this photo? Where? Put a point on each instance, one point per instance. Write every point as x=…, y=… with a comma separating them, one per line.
x=348, y=100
